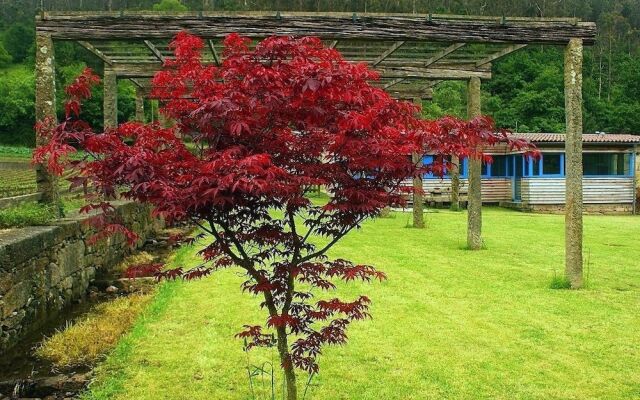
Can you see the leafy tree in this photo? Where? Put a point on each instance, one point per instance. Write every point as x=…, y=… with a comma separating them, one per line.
x=265, y=134
x=5, y=57
x=19, y=40
x=17, y=101
x=170, y=5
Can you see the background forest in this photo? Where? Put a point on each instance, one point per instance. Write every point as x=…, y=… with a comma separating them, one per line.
x=525, y=94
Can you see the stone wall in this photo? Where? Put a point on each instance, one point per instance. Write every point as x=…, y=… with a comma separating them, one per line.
x=44, y=269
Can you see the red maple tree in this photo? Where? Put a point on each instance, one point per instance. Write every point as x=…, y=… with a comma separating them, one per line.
x=251, y=138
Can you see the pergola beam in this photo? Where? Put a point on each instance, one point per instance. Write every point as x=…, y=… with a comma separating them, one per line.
x=499, y=54
x=447, y=72
x=135, y=82
x=335, y=26
x=155, y=51
x=442, y=54
x=435, y=73
x=214, y=53
x=387, y=52
x=392, y=83
x=95, y=51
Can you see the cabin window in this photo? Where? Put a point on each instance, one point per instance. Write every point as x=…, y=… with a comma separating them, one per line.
x=552, y=164
x=606, y=164
x=486, y=168
x=499, y=166
x=427, y=160
x=430, y=159
x=531, y=167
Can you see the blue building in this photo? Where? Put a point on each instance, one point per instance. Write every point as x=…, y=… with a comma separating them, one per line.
x=609, y=170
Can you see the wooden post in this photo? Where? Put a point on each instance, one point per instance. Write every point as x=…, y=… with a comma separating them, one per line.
x=573, y=157
x=45, y=108
x=418, y=204
x=474, y=218
x=110, y=101
x=455, y=183
x=139, y=105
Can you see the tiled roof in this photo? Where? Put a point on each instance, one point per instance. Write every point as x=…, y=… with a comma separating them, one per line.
x=586, y=138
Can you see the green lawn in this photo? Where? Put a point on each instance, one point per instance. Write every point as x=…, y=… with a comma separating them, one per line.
x=449, y=323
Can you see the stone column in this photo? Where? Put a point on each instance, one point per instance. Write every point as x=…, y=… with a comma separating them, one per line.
x=164, y=122
x=573, y=159
x=110, y=101
x=418, y=204
x=474, y=218
x=636, y=175
x=455, y=183
x=139, y=105
x=45, y=108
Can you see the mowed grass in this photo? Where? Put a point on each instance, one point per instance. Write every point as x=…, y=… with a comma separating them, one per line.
x=448, y=324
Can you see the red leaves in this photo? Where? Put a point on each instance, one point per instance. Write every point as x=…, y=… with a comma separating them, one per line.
x=80, y=89
x=254, y=337
x=263, y=128
x=108, y=230
x=143, y=270
x=283, y=320
x=356, y=310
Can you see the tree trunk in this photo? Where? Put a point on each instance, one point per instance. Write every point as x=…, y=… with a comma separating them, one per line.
x=110, y=99
x=418, y=205
x=455, y=183
x=474, y=216
x=573, y=157
x=287, y=366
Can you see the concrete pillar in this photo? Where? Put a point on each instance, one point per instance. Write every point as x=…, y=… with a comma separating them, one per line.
x=573, y=157
x=45, y=108
x=418, y=204
x=455, y=183
x=139, y=105
x=110, y=100
x=164, y=122
x=474, y=218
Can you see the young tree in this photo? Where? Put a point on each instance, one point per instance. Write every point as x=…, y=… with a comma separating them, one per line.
x=170, y=5
x=266, y=127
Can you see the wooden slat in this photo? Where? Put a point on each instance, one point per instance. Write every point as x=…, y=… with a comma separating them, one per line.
x=333, y=26
x=596, y=190
x=494, y=190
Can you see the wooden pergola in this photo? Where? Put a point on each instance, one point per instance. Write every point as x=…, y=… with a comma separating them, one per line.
x=413, y=53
